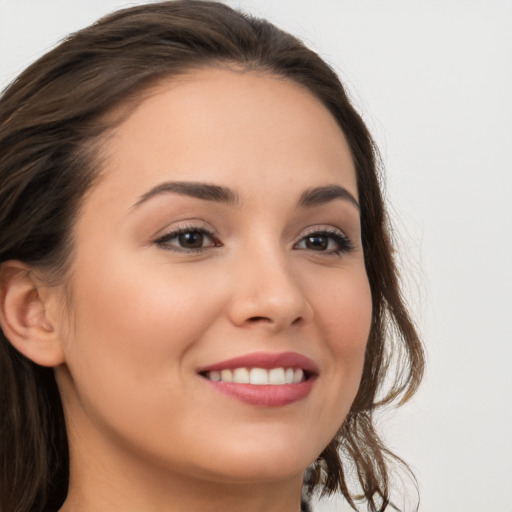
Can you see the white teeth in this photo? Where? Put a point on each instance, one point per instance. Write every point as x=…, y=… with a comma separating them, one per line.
x=298, y=375
x=226, y=375
x=258, y=376
x=276, y=376
x=215, y=376
x=241, y=376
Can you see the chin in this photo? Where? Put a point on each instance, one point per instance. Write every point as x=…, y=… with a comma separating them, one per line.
x=270, y=463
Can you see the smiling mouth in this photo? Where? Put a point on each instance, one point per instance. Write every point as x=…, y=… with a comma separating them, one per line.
x=263, y=379
x=258, y=376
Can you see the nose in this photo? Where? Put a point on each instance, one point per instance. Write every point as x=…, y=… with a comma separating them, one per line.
x=267, y=293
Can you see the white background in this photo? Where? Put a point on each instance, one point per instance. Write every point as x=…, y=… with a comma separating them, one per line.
x=433, y=80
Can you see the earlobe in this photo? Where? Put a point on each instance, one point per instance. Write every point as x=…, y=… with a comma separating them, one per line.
x=24, y=315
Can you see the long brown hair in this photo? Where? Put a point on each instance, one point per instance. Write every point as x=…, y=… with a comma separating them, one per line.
x=52, y=120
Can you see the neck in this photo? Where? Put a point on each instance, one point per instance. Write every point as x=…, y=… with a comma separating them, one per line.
x=105, y=481
x=179, y=495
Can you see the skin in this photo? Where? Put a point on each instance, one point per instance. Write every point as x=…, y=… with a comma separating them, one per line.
x=146, y=431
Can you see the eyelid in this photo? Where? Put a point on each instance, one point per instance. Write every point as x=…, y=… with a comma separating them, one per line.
x=337, y=235
x=322, y=228
x=189, y=226
x=328, y=230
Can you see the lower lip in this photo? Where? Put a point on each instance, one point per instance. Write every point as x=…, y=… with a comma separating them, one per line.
x=265, y=395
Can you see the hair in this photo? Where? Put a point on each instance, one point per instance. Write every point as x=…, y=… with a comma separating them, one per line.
x=53, y=118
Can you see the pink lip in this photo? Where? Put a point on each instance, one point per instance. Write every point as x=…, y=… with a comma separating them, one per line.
x=265, y=360
x=266, y=395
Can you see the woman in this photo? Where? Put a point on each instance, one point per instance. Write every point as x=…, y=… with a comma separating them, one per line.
x=199, y=300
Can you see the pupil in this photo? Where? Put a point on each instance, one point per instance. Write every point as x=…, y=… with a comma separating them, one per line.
x=191, y=240
x=317, y=243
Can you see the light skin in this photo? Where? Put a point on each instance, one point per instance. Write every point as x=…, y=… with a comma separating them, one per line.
x=169, y=276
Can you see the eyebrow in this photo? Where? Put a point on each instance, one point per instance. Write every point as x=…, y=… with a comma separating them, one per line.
x=322, y=195
x=208, y=192
x=205, y=191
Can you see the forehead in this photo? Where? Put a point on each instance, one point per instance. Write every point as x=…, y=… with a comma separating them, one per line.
x=238, y=128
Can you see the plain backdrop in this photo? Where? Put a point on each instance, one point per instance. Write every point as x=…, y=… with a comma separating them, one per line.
x=433, y=80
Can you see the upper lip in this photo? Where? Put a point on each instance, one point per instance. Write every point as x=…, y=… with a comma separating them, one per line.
x=265, y=360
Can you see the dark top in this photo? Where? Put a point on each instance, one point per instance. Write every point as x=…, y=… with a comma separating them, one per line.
x=305, y=506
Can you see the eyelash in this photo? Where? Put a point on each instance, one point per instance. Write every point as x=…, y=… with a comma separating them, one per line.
x=164, y=240
x=343, y=243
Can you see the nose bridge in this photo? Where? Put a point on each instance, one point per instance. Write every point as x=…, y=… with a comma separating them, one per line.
x=267, y=290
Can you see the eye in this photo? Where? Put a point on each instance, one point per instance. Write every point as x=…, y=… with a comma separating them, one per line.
x=330, y=241
x=187, y=239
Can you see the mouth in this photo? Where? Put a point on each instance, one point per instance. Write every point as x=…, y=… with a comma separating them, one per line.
x=258, y=376
x=263, y=379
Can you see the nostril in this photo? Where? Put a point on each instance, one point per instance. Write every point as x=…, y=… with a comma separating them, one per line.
x=255, y=319
x=266, y=319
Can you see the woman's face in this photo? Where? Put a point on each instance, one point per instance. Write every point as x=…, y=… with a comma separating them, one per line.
x=222, y=242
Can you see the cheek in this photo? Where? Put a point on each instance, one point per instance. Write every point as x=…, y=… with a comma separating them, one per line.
x=345, y=311
x=344, y=314
x=130, y=300
x=135, y=324
x=131, y=348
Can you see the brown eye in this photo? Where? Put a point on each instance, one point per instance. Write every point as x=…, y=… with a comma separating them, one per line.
x=191, y=240
x=188, y=240
x=317, y=242
x=328, y=242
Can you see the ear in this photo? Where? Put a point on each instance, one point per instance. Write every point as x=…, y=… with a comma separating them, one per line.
x=28, y=314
